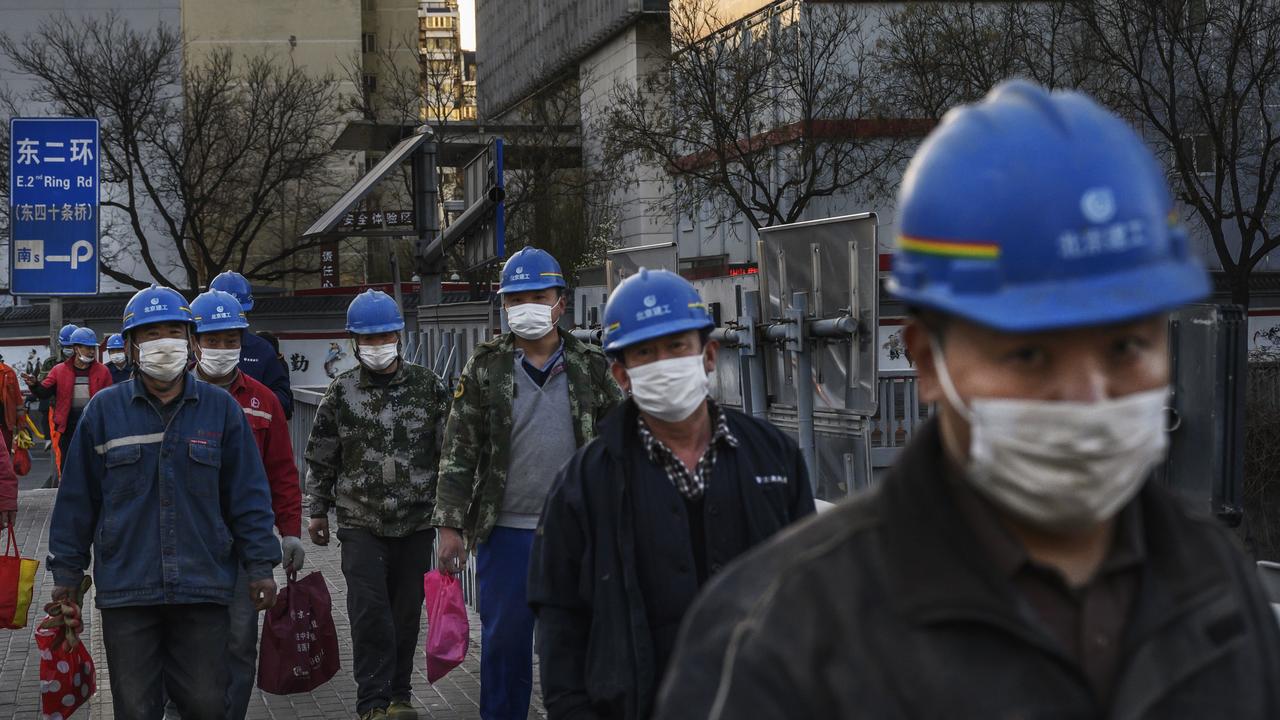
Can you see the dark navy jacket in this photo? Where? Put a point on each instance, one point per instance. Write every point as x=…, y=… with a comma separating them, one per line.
x=172, y=511
x=612, y=571
x=258, y=360
x=119, y=375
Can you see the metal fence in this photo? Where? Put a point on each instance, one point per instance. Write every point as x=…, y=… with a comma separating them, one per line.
x=305, y=402
x=899, y=413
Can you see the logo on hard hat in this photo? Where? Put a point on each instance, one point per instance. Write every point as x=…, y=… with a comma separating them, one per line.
x=220, y=309
x=650, y=300
x=155, y=301
x=1098, y=205
x=520, y=269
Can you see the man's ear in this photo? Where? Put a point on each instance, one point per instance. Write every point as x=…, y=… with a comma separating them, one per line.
x=710, y=353
x=620, y=375
x=920, y=350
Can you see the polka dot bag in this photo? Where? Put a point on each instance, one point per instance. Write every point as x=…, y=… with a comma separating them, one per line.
x=66, y=676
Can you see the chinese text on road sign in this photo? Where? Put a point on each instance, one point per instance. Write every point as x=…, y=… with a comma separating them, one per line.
x=53, y=206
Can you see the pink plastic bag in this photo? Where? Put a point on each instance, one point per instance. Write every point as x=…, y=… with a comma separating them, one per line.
x=448, y=631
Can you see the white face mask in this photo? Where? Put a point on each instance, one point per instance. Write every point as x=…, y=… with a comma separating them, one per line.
x=87, y=359
x=531, y=321
x=671, y=389
x=1061, y=465
x=116, y=357
x=379, y=357
x=218, y=363
x=163, y=359
x=66, y=352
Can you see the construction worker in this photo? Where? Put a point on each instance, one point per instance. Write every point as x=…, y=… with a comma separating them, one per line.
x=525, y=402
x=71, y=384
x=57, y=355
x=117, y=360
x=13, y=409
x=640, y=519
x=257, y=357
x=373, y=454
x=220, y=323
x=1017, y=562
x=164, y=483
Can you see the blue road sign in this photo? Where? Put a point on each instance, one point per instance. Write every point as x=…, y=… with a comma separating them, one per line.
x=53, y=206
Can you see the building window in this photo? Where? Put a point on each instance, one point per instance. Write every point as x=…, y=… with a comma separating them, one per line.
x=1197, y=151
x=370, y=83
x=371, y=159
x=369, y=42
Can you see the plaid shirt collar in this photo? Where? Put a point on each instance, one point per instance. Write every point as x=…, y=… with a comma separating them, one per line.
x=690, y=484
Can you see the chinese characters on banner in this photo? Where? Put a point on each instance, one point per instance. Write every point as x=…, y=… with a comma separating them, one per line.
x=329, y=265
x=372, y=219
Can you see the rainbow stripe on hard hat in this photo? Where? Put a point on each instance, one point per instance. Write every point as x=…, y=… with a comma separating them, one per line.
x=1034, y=211
x=530, y=269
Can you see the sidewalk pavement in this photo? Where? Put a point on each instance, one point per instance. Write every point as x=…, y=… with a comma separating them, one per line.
x=456, y=697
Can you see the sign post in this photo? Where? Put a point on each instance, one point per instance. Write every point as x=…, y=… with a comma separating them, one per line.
x=53, y=206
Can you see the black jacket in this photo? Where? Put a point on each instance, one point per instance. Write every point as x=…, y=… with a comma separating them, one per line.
x=883, y=608
x=611, y=524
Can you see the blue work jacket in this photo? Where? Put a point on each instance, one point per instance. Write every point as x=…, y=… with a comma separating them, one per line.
x=170, y=510
x=258, y=360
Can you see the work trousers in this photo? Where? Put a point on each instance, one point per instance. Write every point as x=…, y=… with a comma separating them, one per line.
x=384, y=603
x=175, y=649
x=506, y=624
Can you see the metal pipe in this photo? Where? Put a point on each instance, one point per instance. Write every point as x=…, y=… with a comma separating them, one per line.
x=591, y=337
x=753, y=377
x=839, y=327
x=804, y=382
x=729, y=337
x=777, y=332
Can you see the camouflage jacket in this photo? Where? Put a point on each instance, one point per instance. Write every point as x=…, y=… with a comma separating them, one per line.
x=477, y=440
x=374, y=450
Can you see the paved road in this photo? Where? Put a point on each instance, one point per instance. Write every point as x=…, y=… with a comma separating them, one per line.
x=454, y=698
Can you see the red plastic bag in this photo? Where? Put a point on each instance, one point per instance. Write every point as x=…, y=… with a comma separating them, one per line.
x=448, y=631
x=299, y=650
x=67, y=677
x=21, y=462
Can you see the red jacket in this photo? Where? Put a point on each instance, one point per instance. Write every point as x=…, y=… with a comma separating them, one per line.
x=271, y=431
x=8, y=480
x=62, y=378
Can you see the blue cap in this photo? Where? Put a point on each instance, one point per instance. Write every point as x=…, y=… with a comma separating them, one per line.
x=1034, y=211
x=84, y=336
x=530, y=269
x=216, y=310
x=373, y=312
x=155, y=305
x=64, y=334
x=115, y=342
x=237, y=285
x=651, y=304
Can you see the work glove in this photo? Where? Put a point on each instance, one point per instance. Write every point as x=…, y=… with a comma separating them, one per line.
x=64, y=615
x=291, y=548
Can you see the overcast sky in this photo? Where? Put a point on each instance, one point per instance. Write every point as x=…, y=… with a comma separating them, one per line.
x=467, y=9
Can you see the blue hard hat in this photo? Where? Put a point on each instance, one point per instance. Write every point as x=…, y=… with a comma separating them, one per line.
x=115, y=342
x=155, y=305
x=64, y=335
x=530, y=269
x=373, y=312
x=84, y=336
x=650, y=304
x=1034, y=211
x=216, y=310
x=237, y=285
